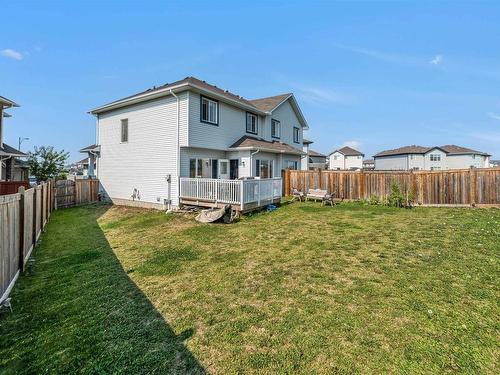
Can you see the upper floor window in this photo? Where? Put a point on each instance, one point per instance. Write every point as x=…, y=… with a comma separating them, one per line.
x=252, y=123
x=335, y=157
x=124, y=130
x=209, y=111
x=435, y=157
x=296, y=135
x=275, y=129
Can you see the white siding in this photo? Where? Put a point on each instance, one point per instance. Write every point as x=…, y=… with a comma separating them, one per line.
x=191, y=153
x=143, y=162
x=336, y=161
x=288, y=119
x=466, y=161
x=391, y=162
x=352, y=162
x=232, y=126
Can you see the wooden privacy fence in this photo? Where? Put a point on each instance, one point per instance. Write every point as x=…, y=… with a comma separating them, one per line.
x=23, y=216
x=452, y=187
x=73, y=193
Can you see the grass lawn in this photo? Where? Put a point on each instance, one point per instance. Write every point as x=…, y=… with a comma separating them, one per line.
x=305, y=289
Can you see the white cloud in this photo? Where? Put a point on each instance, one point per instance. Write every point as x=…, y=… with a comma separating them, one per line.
x=438, y=59
x=494, y=116
x=317, y=95
x=10, y=53
x=352, y=144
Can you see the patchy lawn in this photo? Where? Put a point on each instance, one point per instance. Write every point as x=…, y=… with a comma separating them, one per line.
x=304, y=289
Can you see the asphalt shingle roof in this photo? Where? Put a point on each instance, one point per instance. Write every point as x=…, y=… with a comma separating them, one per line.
x=414, y=149
x=252, y=142
x=5, y=149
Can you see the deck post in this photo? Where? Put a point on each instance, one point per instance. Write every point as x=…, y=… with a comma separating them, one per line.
x=242, y=187
x=217, y=190
x=258, y=193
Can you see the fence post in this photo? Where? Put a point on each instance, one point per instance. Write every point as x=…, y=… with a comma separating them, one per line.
x=21, y=227
x=258, y=195
x=472, y=184
x=34, y=216
x=361, y=184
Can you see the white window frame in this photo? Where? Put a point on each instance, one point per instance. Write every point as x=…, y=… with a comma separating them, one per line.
x=435, y=157
x=252, y=123
x=212, y=110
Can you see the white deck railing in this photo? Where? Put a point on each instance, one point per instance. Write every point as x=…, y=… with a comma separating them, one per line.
x=256, y=192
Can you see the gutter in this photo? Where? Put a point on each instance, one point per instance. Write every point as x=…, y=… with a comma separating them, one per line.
x=251, y=160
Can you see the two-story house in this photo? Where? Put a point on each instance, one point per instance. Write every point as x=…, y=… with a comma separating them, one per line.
x=431, y=158
x=345, y=158
x=11, y=167
x=148, y=142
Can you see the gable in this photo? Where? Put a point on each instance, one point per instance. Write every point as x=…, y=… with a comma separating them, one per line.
x=289, y=111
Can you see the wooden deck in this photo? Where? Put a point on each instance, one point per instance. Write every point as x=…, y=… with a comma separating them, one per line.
x=242, y=195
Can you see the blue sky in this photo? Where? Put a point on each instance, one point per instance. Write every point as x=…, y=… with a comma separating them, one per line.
x=374, y=75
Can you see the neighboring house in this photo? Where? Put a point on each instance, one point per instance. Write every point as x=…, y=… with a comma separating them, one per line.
x=11, y=167
x=345, y=158
x=146, y=142
x=369, y=164
x=431, y=158
x=81, y=169
x=311, y=159
x=494, y=163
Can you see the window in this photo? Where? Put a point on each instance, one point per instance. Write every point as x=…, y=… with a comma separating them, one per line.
x=435, y=157
x=205, y=168
x=296, y=135
x=435, y=168
x=335, y=157
x=359, y=157
x=252, y=123
x=275, y=129
x=291, y=164
x=209, y=111
x=264, y=168
x=124, y=136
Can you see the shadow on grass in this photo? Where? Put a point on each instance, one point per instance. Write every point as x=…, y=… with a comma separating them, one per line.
x=79, y=312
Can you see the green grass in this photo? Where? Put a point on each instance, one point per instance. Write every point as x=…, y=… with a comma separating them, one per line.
x=305, y=289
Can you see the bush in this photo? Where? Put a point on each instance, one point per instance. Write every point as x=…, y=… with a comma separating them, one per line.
x=398, y=199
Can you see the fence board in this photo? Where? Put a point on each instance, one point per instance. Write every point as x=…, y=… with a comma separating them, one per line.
x=9, y=242
x=452, y=187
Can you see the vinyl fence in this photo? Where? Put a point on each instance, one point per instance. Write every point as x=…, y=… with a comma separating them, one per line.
x=448, y=188
x=23, y=216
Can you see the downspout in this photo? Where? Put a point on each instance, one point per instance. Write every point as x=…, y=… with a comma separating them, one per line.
x=251, y=160
x=178, y=150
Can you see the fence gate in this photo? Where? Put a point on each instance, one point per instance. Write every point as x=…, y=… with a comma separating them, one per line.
x=65, y=193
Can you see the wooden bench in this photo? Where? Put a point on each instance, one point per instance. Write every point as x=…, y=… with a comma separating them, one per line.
x=322, y=195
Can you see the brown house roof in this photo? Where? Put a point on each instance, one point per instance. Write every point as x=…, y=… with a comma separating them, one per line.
x=348, y=151
x=454, y=149
x=258, y=143
x=7, y=102
x=268, y=104
x=414, y=149
x=5, y=149
x=315, y=153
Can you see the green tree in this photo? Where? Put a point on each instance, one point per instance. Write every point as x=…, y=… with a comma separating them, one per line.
x=45, y=162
